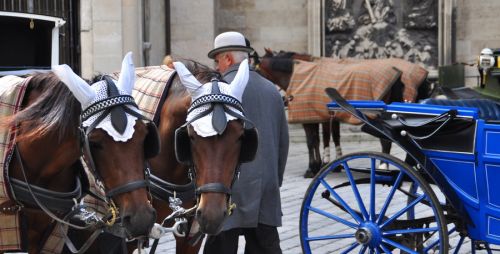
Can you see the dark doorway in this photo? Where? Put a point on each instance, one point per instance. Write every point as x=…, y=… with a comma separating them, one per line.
x=69, y=33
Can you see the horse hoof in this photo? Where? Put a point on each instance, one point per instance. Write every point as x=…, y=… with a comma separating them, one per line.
x=309, y=174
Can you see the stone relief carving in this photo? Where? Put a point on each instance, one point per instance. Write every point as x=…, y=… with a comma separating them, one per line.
x=340, y=18
x=422, y=14
x=382, y=28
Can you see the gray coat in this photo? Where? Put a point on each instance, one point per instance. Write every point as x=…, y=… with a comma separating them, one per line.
x=257, y=191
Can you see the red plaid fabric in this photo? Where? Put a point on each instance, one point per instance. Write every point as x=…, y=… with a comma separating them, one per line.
x=12, y=91
x=355, y=79
x=150, y=83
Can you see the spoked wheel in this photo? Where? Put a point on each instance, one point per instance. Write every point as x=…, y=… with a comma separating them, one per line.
x=363, y=209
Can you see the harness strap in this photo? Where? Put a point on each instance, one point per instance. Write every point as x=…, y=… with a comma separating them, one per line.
x=42, y=206
x=213, y=187
x=60, y=202
x=127, y=187
x=162, y=190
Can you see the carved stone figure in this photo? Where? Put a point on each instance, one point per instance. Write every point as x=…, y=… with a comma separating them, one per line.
x=422, y=14
x=340, y=18
x=379, y=29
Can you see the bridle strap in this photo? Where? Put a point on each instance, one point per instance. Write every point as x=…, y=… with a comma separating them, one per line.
x=127, y=187
x=42, y=206
x=213, y=187
x=107, y=103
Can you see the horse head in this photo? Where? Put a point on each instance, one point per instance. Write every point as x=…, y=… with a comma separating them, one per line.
x=215, y=139
x=113, y=136
x=276, y=68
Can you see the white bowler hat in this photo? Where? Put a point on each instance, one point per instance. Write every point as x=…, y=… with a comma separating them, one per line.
x=230, y=41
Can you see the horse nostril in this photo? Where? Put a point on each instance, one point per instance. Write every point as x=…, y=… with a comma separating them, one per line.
x=198, y=212
x=225, y=213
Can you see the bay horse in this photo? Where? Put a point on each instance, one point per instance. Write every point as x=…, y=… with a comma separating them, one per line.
x=204, y=137
x=278, y=68
x=60, y=120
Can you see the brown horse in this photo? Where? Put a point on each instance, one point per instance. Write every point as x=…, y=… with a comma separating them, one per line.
x=278, y=67
x=199, y=158
x=61, y=118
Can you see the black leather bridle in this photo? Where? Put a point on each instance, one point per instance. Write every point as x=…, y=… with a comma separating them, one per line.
x=114, y=104
x=219, y=106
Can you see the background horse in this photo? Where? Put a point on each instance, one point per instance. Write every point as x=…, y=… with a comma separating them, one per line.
x=279, y=69
x=200, y=170
x=46, y=143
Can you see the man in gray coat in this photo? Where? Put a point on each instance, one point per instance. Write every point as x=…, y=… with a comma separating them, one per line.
x=257, y=191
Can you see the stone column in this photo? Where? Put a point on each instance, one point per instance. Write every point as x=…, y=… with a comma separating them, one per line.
x=445, y=32
x=314, y=27
x=86, y=39
x=132, y=30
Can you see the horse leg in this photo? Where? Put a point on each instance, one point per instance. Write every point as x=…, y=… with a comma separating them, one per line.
x=386, y=148
x=184, y=247
x=336, y=137
x=312, y=139
x=326, y=142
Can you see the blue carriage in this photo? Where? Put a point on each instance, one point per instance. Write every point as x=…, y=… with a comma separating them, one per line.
x=443, y=198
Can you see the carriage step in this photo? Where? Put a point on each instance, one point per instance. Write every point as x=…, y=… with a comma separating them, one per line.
x=348, y=133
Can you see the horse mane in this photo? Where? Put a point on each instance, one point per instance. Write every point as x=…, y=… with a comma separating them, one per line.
x=54, y=111
x=202, y=72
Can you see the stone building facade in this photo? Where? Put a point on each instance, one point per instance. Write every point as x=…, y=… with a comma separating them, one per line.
x=111, y=28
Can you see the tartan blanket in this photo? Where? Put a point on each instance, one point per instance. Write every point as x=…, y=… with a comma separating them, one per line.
x=150, y=84
x=355, y=79
x=12, y=91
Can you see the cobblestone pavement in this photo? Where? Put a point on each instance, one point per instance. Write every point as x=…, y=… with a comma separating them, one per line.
x=295, y=186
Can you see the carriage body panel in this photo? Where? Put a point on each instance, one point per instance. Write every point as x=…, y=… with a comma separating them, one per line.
x=472, y=170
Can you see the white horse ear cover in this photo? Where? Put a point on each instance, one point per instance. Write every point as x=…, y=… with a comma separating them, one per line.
x=240, y=81
x=203, y=126
x=87, y=95
x=187, y=79
x=127, y=74
x=80, y=89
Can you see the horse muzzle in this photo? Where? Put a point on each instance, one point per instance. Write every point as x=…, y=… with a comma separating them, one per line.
x=212, y=211
x=138, y=223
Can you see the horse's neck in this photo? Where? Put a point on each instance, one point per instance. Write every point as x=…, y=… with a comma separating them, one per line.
x=173, y=115
x=47, y=162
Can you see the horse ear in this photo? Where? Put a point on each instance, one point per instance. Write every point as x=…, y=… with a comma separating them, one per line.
x=80, y=89
x=240, y=81
x=187, y=79
x=127, y=74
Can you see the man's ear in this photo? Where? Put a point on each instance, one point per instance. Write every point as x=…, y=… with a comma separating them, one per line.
x=230, y=59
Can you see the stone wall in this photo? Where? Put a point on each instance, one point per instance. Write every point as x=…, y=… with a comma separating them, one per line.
x=192, y=29
x=277, y=24
x=476, y=28
x=111, y=28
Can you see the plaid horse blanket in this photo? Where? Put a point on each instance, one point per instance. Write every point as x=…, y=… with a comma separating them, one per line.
x=12, y=91
x=355, y=79
x=150, y=86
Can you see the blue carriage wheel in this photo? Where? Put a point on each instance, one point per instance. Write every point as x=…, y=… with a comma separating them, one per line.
x=363, y=209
